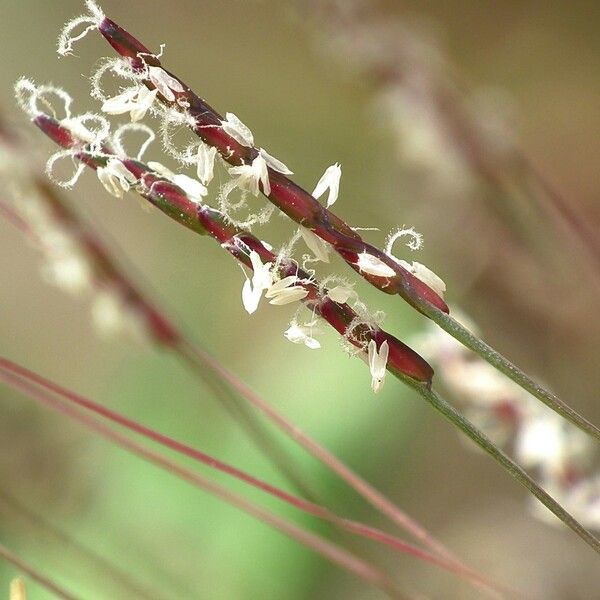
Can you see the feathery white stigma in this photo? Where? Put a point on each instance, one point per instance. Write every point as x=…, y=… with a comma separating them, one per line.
x=94, y=18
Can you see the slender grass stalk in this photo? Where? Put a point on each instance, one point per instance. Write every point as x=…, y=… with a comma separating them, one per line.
x=360, y=529
x=452, y=415
x=44, y=580
x=334, y=553
x=497, y=360
x=104, y=566
x=302, y=208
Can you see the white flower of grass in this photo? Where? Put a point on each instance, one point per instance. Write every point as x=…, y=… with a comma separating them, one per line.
x=274, y=163
x=115, y=177
x=426, y=275
x=319, y=247
x=205, y=160
x=285, y=291
x=136, y=101
x=377, y=363
x=164, y=83
x=340, y=294
x=249, y=176
x=330, y=180
x=237, y=130
x=367, y=263
x=304, y=334
x=261, y=280
x=192, y=187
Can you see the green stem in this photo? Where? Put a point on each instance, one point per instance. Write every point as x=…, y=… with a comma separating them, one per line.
x=450, y=413
x=494, y=358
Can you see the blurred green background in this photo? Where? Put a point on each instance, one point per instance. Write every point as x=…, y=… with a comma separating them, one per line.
x=504, y=262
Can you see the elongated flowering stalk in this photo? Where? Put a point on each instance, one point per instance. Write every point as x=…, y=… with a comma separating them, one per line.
x=375, y=266
x=235, y=144
x=242, y=245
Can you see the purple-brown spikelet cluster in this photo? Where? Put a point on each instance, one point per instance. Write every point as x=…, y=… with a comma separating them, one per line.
x=173, y=201
x=290, y=198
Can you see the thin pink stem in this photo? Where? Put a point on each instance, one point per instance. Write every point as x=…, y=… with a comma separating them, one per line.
x=36, y=575
x=332, y=552
x=299, y=503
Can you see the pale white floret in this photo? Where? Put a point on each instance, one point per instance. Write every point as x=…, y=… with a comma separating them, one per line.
x=285, y=291
x=136, y=101
x=115, y=177
x=249, y=176
x=161, y=170
x=205, y=161
x=372, y=265
x=426, y=275
x=319, y=247
x=304, y=334
x=164, y=83
x=340, y=294
x=377, y=363
x=237, y=130
x=262, y=280
x=274, y=163
x=330, y=180
x=192, y=187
